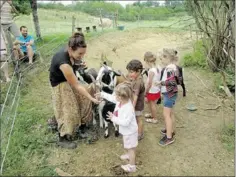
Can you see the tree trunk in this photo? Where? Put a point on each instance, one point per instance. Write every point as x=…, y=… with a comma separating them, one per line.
x=35, y=18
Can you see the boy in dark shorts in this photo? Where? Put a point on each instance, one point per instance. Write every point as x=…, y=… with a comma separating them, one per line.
x=135, y=68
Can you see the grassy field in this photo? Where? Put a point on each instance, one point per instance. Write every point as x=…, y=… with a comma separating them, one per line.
x=53, y=22
x=28, y=150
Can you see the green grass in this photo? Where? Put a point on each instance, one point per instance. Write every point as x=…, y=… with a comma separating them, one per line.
x=228, y=137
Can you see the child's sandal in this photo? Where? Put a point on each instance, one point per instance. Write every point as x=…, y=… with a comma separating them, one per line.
x=154, y=121
x=148, y=115
x=129, y=168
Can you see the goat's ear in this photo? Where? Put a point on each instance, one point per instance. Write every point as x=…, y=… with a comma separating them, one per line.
x=92, y=78
x=144, y=72
x=105, y=65
x=117, y=73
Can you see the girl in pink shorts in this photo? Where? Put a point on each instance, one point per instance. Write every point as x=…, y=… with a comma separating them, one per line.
x=124, y=116
x=152, y=91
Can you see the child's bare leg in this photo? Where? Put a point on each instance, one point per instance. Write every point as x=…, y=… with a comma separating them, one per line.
x=131, y=153
x=173, y=120
x=140, y=125
x=125, y=156
x=168, y=122
x=153, y=110
x=149, y=106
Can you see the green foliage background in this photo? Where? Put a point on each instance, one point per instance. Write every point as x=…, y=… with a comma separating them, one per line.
x=150, y=10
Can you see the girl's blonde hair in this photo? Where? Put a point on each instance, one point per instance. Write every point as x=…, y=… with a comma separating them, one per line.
x=124, y=90
x=170, y=54
x=150, y=57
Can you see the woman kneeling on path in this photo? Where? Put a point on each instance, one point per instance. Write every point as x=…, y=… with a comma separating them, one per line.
x=72, y=103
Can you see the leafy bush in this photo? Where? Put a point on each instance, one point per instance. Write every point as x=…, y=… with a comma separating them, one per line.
x=197, y=57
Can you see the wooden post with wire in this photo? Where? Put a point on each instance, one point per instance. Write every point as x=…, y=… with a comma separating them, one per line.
x=100, y=11
x=190, y=27
x=115, y=18
x=197, y=33
x=138, y=19
x=73, y=24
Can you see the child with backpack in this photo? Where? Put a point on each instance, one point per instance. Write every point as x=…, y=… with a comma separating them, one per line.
x=169, y=89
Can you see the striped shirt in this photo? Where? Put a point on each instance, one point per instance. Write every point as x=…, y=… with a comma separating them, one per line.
x=6, y=15
x=170, y=82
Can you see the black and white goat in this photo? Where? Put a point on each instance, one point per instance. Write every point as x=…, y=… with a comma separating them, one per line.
x=108, y=78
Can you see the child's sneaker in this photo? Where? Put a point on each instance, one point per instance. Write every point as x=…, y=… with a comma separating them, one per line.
x=166, y=141
x=129, y=168
x=163, y=132
x=124, y=157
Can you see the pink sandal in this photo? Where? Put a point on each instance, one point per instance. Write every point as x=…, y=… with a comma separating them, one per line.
x=129, y=168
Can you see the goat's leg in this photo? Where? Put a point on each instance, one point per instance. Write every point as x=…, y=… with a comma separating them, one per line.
x=94, y=117
x=106, y=134
x=101, y=105
x=116, y=130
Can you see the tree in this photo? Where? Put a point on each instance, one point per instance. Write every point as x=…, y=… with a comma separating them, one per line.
x=34, y=7
x=138, y=3
x=216, y=20
x=22, y=6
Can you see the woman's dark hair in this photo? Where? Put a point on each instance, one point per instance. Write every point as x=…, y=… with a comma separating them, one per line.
x=135, y=65
x=77, y=40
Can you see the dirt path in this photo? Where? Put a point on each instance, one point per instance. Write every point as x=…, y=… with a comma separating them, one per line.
x=197, y=150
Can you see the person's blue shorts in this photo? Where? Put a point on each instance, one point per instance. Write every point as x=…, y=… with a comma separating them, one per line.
x=169, y=102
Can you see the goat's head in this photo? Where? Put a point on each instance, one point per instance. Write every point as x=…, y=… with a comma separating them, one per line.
x=108, y=78
x=95, y=86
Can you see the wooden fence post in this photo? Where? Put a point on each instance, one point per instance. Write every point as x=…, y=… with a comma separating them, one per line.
x=73, y=24
x=101, y=18
x=190, y=31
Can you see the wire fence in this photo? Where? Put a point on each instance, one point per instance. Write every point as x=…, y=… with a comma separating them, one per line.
x=12, y=96
x=55, y=22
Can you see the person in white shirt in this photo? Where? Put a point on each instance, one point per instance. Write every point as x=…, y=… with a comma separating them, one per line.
x=7, y=21
x=124, y=116
x=152, y=92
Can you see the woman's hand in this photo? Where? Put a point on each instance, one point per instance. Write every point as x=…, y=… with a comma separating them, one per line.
x=98, y=96
x=94, y=100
